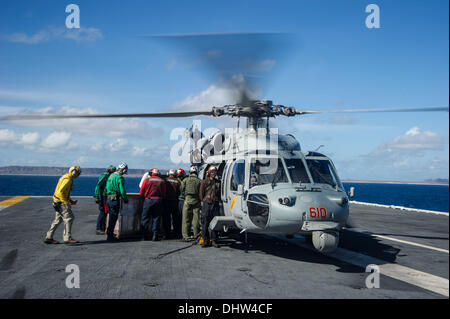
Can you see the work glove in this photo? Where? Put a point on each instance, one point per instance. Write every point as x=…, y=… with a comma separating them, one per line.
x=97, y=200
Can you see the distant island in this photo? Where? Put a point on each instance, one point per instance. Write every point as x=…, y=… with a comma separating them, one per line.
x=58, y=171
x=437, y=181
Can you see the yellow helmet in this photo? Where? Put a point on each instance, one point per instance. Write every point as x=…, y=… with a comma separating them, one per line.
x=77, y=170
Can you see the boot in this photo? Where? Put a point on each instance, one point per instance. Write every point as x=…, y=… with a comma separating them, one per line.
x=155, y=237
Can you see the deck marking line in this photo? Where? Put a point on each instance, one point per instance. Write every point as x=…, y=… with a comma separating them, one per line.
x=411, y=276
x=12, y=201
x=400, y=241
x=401, y=208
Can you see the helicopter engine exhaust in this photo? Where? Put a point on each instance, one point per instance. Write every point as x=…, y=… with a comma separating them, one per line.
x=325, y=241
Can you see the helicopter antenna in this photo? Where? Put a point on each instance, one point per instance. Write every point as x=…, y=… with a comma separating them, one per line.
x=317, y=149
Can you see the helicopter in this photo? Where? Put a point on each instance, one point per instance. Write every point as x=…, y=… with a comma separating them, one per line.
x=269, y=184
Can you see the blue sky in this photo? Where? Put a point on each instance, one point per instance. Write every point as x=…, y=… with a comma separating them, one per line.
x=334, y=62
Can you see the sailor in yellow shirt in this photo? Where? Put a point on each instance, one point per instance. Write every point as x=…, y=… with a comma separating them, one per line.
x=62, y=203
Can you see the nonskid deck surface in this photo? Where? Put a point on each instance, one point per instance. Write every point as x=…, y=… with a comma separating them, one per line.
x=409, y=242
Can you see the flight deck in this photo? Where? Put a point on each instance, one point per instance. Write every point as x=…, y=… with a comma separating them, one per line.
x=410, y=249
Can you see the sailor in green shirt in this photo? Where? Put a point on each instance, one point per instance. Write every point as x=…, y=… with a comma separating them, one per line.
x=100, y=199
x=115, y=190
x=190, y=190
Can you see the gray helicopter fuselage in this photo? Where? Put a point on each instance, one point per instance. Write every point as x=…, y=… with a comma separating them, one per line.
x=281, y=189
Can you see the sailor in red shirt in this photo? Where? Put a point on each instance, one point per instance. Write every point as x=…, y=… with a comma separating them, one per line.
x=153, y=191
x=172, y=216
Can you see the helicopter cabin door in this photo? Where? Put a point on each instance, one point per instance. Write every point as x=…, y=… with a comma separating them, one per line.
x=234, y=191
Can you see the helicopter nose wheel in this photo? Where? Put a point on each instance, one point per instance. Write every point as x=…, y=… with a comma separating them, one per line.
x=325, y=241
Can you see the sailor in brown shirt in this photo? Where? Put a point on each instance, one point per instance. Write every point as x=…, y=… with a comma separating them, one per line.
x=210, y=197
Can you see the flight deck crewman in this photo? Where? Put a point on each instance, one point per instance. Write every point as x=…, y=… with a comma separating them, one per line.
x=115, y=190
x=100, y=199
x=172, y=216
x=62, y=203
x=190, y=190
x=210, y=197
x=153, y=191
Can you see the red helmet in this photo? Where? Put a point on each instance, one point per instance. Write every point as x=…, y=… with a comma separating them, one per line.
x=154, y=171
x=172, y=172
x=212, y=169
x=181, y=172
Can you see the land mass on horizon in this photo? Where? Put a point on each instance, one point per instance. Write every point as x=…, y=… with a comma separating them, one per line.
x=53, y=171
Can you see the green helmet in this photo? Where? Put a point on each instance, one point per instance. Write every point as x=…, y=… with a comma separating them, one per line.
x=111, y=169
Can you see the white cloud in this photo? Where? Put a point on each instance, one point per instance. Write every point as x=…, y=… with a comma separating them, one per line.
x=118, y=145
x=56, y=140
x=29, y=138
x=140, y=151
x=7, y=136
x=414, y=140
x=26, y=139
x=106, y=127
x=51, y=32
x=219, y=94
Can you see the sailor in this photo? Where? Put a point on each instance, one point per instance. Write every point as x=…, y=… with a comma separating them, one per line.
x=171, y=215
x=100, y=199
x=153, y=191
x=210, y=197
x=115, y=191
x=190, y=190
x=144, y=177
x=181, y=175
x=62, y=203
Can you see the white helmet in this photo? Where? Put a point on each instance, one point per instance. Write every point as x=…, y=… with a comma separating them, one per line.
x=193, y=169
x=122, y=166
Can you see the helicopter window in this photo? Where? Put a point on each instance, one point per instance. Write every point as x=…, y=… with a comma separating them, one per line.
x=297, y=170
x=322, y=172
x=267, y=171
x=238, y=175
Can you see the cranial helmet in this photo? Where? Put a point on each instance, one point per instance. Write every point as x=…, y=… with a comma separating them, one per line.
x=172, y=172
x=75, y=170
x=212, y=169
x=154, y=171
x=111, y=169
x=181, y=172
x=193, y=169
x=123, y=167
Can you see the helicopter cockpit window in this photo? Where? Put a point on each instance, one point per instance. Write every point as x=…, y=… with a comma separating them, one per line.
x=322, y=172
x=297, y=170
x=267, y=171
x=238, y=176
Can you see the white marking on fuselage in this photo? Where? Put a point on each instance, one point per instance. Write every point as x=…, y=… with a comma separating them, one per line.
x=411, y=276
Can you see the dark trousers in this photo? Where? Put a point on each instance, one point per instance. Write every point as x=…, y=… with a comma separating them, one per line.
x=113, y=212
x=171, y=218
x=152, y=209
x=209, y=211
x=101, y=219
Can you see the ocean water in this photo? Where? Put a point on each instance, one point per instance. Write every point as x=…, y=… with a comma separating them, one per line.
x=431, y=197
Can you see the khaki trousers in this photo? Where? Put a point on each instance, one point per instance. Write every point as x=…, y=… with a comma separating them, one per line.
x=63, y=213
x=190, y=218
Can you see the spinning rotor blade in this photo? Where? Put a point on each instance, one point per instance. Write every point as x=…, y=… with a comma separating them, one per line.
x=242, y=61
x=418, y=109
x=18, y=117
